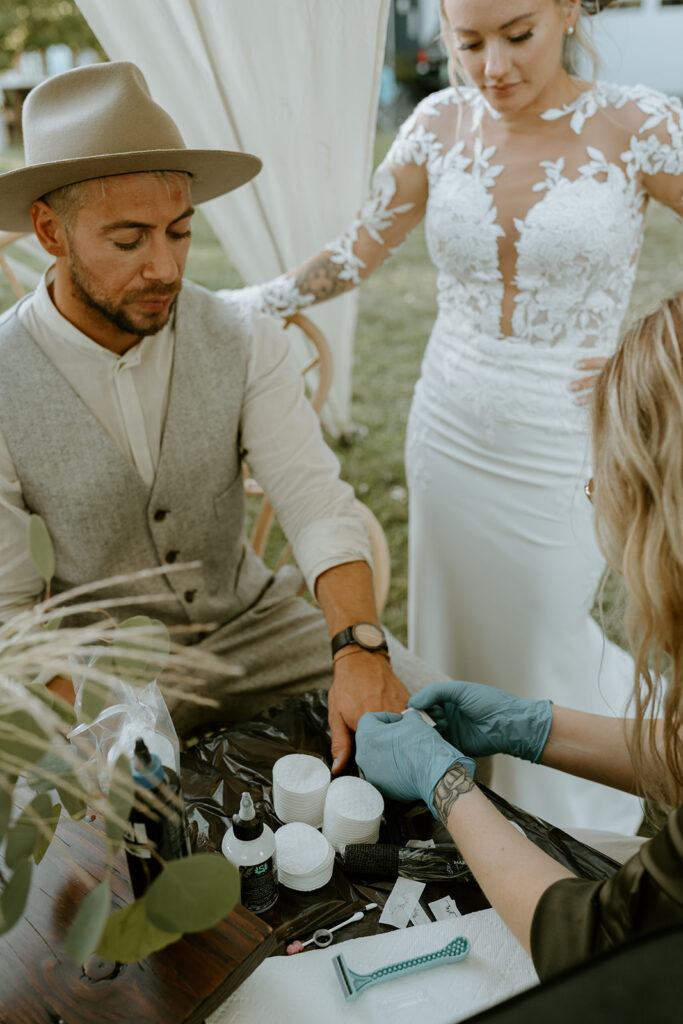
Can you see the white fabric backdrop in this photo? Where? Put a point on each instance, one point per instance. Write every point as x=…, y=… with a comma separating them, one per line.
x=294, y=82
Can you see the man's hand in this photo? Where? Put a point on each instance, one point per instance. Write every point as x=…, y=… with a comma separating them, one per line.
x=363, y=681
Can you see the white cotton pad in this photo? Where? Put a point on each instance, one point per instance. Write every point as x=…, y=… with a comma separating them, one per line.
x=353, y=812
x=305, y=859
x=300, y=784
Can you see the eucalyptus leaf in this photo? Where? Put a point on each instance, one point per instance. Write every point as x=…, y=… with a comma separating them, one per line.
x=95, y=696
x=14, y=896
x=193, y=893
x=129, y=935
x=28, y=749
x=89, y=923
x=6, y=790
x=53, y=764
x=74, y=806
x=45, y=838
x=55, y=623
x=25, y=837
x=21, y=840
x=119, y=799
x=40, y=548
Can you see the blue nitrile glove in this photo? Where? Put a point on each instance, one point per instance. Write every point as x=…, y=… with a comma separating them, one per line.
x=404, y=757
x=482, y=720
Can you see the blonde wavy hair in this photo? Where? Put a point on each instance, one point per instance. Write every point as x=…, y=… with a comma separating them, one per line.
x=637, y=414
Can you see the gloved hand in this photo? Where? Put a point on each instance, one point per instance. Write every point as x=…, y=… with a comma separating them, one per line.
x=404, y=757
x=482, y=720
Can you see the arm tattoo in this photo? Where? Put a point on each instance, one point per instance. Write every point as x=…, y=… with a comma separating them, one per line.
x=320, y=277
x=450, y=786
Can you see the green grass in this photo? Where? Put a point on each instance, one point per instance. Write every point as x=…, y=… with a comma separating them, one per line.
x=397, y=309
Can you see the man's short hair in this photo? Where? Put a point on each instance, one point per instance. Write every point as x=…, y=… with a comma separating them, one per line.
x=68, y=200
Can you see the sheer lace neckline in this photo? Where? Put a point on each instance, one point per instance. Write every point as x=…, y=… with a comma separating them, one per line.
x=584, y=104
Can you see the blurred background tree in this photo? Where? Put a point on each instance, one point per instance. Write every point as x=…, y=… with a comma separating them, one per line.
x=34, y=25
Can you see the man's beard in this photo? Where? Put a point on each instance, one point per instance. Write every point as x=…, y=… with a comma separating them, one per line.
x=116, y=314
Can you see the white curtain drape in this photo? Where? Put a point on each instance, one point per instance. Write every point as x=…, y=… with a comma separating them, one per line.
x=293, y=81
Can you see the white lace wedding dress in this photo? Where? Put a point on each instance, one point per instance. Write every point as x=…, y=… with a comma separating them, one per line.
x=536, y=251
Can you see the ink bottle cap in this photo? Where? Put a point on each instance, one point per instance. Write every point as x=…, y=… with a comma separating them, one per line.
x=148, y=770
x=245, y=825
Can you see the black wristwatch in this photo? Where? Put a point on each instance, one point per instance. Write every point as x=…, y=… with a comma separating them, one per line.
x=364, y=634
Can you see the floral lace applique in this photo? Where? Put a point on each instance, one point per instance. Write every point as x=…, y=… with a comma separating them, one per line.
x=577, y=244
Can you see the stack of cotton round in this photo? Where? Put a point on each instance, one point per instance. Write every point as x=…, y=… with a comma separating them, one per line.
x=300, y=784
x=305, y=859
x=353, y=811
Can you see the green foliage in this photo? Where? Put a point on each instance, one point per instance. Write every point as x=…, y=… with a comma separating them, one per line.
x=14, y=896
x=94, y=698
x=89, y=923
x=21, y=737
x=37, y=24
x=193, y=894
x=188, y=895
x=40, y=548
x=130, y=935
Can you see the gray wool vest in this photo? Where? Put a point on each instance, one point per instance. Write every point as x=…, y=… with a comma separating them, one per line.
x=101, y=516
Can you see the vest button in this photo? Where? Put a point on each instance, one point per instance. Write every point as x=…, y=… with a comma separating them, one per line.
x=160, y=515
x=189, y=596
x=171, y=556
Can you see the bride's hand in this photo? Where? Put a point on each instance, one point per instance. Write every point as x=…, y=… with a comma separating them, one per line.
x=585, y=385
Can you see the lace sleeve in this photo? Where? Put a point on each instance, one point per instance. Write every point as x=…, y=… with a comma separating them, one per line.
x=655, y=153
x=395, y=205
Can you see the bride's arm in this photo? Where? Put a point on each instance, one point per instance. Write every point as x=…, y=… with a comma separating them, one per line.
x=656, y=151
x=396, y=204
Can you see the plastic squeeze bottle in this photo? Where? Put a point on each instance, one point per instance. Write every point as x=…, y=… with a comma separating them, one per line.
x=250, y=846
x=157, y=827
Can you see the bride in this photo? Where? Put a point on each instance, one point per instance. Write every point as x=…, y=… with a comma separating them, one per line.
x=533, y=185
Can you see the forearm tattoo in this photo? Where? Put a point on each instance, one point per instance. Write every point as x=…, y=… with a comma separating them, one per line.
x=454, y=784
x=321, y=278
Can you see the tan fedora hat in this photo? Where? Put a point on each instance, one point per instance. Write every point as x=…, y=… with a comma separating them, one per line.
x=100, y=120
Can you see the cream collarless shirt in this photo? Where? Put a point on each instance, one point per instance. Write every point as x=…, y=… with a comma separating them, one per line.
x=128, y=395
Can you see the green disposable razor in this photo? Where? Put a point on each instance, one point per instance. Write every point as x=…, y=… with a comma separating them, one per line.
x=352, y=984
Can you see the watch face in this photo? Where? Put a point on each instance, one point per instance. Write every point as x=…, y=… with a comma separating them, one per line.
x=368, y=635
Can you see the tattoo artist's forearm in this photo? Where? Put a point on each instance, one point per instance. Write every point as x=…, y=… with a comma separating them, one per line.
x=454, y=784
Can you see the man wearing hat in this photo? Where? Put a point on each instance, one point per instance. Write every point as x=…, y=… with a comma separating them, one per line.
x=129, y=397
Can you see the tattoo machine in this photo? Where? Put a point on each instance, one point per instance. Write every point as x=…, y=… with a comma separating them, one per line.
x=352, y=984
x=322, y=937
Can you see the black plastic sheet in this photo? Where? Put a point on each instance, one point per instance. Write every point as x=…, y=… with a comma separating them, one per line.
x=220, y=767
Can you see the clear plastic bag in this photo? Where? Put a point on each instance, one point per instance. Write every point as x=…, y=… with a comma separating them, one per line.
x=139, y=712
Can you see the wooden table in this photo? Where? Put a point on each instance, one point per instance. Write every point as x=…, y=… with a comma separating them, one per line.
x=181, y=984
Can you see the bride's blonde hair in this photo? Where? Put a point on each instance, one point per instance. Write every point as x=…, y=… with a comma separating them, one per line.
x=637, y=413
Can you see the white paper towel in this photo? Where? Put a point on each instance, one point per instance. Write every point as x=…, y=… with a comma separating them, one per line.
x=304, y=988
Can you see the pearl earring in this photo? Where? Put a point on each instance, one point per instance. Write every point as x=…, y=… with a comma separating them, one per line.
x=570, y=30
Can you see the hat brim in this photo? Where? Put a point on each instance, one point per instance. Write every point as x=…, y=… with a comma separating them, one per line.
x=214, y=172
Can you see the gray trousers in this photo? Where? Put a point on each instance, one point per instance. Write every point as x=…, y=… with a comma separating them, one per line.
x=283, y=647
